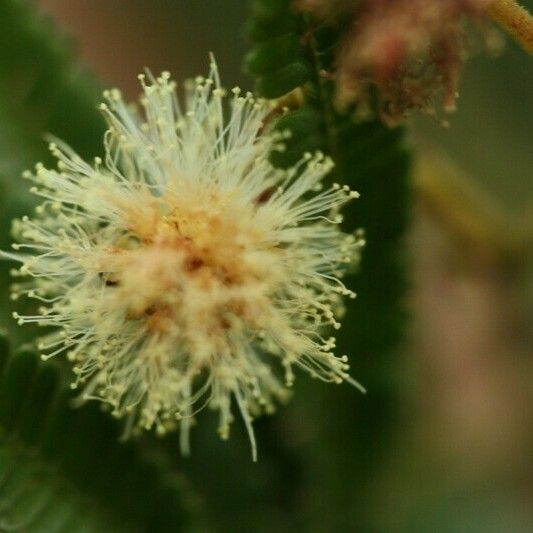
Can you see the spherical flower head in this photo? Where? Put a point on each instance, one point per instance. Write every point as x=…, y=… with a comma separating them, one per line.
x=181, y=266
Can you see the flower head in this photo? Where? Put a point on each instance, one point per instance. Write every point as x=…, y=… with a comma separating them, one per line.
x=410, y=51
x=181, y=266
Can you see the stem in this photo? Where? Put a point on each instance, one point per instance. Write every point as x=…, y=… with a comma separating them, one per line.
x=479, y=226
x=515, y=20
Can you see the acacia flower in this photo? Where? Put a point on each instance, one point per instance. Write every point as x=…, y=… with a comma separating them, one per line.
x=177, y=269
x=409, y=52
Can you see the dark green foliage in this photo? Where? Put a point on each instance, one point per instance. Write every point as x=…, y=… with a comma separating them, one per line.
x=66, y=467
x=284, y=79
x=41, y=90
x=36, y=498
x=270, y=55
x=353, y=434
x=278, y=60
x=306, y=128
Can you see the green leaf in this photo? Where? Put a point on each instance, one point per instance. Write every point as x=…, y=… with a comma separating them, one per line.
x=285, y=79
x=36, y=498
x=64, y=469
x=306, y=127
x=271, y=55
x=262, y=30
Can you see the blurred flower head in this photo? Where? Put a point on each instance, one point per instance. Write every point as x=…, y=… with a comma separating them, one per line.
x=183, y=264
x=410, y=53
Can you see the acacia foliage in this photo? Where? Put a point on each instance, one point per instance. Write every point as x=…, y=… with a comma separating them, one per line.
x=294, y=52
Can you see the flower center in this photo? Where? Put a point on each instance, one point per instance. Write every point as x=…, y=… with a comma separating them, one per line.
x=179, y=267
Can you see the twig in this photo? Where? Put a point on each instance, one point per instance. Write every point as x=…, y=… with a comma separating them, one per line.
x=480, y=226
x=515, y=20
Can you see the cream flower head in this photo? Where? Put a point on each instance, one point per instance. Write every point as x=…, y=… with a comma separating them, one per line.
x=181, y=266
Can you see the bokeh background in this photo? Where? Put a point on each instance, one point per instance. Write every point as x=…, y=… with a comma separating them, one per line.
x=462, y=459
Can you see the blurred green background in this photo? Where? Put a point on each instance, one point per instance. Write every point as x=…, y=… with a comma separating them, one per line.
x=462, y=458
